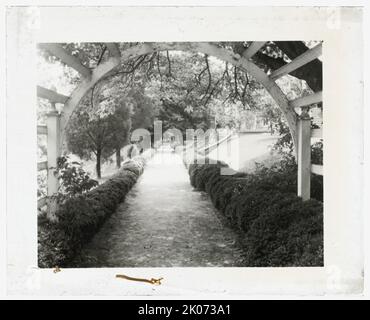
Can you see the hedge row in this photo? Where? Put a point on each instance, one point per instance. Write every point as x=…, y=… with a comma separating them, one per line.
x=80, y=217
x=277, y=228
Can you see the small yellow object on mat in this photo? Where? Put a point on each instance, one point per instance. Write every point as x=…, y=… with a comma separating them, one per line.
x=56, y=269
x=151, y=281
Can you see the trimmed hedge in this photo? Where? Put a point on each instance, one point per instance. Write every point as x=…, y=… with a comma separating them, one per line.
x=276, y=227
x=80, y=217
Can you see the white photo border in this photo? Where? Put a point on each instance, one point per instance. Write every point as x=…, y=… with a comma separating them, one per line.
x=340, y=28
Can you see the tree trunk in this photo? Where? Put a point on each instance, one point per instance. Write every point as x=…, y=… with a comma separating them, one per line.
x=118, y=158
x=98, y=162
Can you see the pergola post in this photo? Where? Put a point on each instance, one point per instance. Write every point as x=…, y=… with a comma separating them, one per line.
x=304, y=155
x=54, y=151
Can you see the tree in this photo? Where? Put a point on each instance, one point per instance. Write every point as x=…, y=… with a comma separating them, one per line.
x=113, y=98
x=99, y=128
x=138, y=105
x=143, y=109
x=121, y=126
x=198, y=91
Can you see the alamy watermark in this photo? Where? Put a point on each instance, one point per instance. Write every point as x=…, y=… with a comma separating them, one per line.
x=196, y=145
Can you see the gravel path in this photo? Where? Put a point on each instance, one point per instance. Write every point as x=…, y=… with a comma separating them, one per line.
x=164, y=222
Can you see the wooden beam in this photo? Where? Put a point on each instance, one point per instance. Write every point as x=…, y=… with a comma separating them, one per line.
x=304, y=156
x=307, y=100
x=42, y=202
x=113, y=49
x=252, y=49
x=42, y=129
x=58, y=51
x=316, y=133
x=317, y=169
x=43, y=165
x=298, y=62
x=51, y=95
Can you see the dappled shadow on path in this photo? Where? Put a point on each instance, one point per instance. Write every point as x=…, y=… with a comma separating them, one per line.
x=164, y=223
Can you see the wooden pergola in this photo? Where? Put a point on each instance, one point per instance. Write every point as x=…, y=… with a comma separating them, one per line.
x=299, y=123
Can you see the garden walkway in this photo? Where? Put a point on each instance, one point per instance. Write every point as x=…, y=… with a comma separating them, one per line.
x=164, y=223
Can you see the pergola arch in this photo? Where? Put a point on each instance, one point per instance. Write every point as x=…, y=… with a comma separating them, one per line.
x=116, y=58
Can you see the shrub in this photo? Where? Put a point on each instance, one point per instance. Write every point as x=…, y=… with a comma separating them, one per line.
x=202, y=172
x=81, y=216
x=276, y=227
x=51, y=244
x=288, y=233
x=72, y=179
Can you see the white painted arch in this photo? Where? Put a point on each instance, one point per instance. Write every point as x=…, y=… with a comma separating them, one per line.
x=116, y=59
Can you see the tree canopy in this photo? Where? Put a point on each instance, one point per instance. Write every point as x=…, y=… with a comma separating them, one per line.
x=184, y=90
x=100, y=125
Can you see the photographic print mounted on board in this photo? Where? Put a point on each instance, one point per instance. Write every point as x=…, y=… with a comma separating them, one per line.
x=180, y=154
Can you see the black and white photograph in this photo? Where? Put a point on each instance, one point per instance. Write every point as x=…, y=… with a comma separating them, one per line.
x=180, y=154
x=194, y=151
